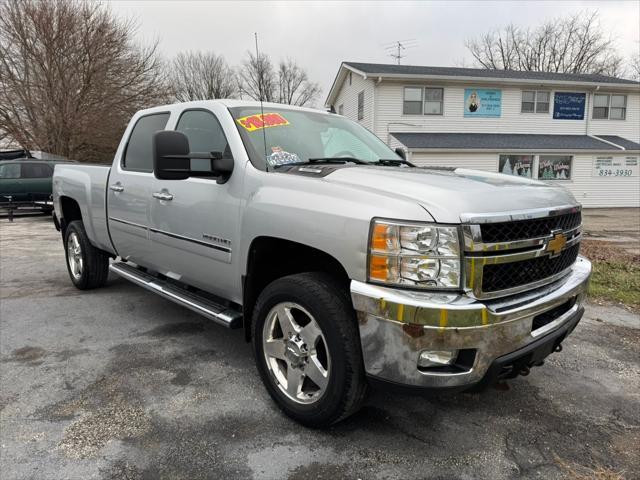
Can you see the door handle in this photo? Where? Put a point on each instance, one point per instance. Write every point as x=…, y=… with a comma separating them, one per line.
x=162, y=196
x=116, y=187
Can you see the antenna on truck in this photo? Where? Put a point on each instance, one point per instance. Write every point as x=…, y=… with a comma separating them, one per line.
x=260, y=79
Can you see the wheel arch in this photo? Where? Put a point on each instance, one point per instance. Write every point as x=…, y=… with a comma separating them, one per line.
x=271, y=258
x=70, y=210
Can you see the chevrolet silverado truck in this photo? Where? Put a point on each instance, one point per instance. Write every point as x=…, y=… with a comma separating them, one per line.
x=346, y=265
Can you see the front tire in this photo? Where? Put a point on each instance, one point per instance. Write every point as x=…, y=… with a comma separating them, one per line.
x=87, y=265
x=307, y=349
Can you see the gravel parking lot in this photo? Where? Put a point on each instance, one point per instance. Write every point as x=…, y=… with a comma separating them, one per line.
x=118, y=383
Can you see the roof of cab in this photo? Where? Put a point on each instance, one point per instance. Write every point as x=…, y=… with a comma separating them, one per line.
x=229, y=103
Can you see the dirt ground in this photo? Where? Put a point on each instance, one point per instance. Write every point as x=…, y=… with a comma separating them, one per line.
x=118, y=383
x=620, y=226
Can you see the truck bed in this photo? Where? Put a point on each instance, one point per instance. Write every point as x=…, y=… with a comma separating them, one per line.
x=86, y=184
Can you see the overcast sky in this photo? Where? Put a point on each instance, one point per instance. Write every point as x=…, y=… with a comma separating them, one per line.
x=321, y=35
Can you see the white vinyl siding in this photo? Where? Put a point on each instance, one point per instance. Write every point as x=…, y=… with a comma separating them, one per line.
x=389, y=117
x=348, y=98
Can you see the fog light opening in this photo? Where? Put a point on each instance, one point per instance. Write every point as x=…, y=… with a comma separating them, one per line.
x=436, y=358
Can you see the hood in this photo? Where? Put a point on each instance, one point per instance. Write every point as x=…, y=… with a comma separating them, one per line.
x=447, y=194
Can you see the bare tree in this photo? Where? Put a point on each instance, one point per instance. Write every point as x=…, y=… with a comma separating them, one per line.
x=202, y=76
x=294, y=86
x=634, y=62
x=71, y=77
x=576, y=44
x=257, y=78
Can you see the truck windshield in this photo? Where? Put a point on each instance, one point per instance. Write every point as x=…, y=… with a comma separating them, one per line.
x=297, y=136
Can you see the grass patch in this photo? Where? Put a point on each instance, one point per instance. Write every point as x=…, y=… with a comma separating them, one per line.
x=616, y=282
x=616, y=274
x=579, y=472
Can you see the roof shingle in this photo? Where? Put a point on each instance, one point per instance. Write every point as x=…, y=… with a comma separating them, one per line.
x=389, y=69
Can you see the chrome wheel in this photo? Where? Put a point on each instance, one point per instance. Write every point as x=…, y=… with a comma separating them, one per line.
x=74, y=256
x=296, y=353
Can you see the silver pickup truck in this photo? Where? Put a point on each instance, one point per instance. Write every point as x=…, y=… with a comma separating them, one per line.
x=345, y=264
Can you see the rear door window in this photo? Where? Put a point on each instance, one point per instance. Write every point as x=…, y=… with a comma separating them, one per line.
x=10, y=170
x=138, y=155
x=36, y=170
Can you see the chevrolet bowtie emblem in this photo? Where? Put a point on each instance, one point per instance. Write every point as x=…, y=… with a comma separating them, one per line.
x=556, y=244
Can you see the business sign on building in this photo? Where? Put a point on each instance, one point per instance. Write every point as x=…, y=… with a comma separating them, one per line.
x=609, y=166
x=568, y=106
x=480, y=102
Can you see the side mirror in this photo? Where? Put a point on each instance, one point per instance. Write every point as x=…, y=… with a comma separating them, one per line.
x=171, y=155
x=401, y=153
x=172, y=159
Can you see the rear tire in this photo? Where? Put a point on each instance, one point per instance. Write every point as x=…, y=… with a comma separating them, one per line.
x=322, y=336
x=87, y=265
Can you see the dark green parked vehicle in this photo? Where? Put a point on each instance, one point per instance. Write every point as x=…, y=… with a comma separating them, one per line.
x=26, y=182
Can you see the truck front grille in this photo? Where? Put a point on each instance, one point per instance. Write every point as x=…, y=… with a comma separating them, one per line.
x=509, y=275
x=508, y=257
x=523, y=229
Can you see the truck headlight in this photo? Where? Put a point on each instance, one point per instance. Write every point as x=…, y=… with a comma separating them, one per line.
x=414, y=254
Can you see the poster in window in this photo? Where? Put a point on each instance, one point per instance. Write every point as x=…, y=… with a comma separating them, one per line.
x=479, y=102
x=554, y=167
x=568, y=106
x=518, y=165
x=618, y=166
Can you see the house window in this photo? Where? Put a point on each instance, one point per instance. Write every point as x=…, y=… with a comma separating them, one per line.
x=433, y=101
x=412, y=104
x=528, y=101
x=601, y=106
x=554, y=167
x=618, y=107
x=535, y=101
x=518, y=165
x=361, y=105
x=609, y=107
x=542, y=102
x=341, y=109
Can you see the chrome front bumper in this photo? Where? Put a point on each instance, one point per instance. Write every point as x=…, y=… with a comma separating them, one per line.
x=396, y=325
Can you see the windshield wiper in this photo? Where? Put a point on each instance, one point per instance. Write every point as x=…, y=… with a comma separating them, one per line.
x=338, y=160
x=325, y=160
x=393, y=161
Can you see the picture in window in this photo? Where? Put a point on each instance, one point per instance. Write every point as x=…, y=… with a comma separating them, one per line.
x=554, y=167
x=518, y=165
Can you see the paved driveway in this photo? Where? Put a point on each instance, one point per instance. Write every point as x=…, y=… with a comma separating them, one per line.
x=118, y=383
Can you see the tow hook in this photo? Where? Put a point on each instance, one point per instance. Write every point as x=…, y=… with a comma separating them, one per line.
x=525, y=371
x=558, y=348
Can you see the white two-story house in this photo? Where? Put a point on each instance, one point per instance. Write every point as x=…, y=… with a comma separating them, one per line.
x=582, y=131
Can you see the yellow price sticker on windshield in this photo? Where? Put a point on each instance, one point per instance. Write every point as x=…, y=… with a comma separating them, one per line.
x=258, y=122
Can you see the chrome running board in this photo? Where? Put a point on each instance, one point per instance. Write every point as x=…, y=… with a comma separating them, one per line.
x=221, y=314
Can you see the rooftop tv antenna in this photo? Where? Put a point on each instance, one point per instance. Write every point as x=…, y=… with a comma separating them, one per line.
x=396, y=49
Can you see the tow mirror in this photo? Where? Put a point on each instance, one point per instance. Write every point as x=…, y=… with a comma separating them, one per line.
x=401, y=153
x=172, y=159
